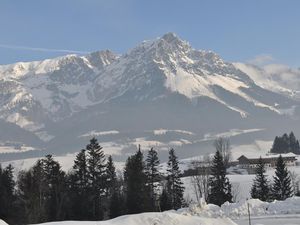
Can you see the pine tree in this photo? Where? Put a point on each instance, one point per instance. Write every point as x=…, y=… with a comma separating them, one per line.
x=282, y=187
x=286, y=144
x=32, y=189
x=116, y=207
x=96, y=167
x=276, y=145
x=137, y=193
x=294, y=144
x=219, y=185
x=80, y=171
x=175, y=187
x=164, y=200
x=260, y=187
x=78, y=192
x=54, y=178
x=7, y=194
x=111, y=176
x=153, y=175
x=114, y=195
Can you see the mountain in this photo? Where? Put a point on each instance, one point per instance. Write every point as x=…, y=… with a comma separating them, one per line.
x=160, y=85
x=275, y=77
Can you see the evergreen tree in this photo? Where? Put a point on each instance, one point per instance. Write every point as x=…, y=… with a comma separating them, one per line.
x=96, y=168
x=111, y=176
x=80, y=171
x=294, y=144
x=175, y=187
x=116, y=207
x=282, y=187
x=32, y=190
x=260, y=187
x=137, y=192
x=115, y=197
x=164, y=200
x=286, y=144
x=54, y=178
x=153, y=175
x=78, y=192
x=219, y=185
x=7, y=194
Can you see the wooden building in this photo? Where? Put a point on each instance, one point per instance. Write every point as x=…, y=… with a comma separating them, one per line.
x=250, y=163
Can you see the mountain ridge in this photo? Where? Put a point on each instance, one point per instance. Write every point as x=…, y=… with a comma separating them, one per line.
x=51, y=97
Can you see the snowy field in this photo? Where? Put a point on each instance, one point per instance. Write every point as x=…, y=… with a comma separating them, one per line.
x=165, y=218
x=262, y=213
x=241, y=184
x=271, y=220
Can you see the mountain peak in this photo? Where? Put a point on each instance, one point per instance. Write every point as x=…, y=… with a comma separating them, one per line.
x=170, y=37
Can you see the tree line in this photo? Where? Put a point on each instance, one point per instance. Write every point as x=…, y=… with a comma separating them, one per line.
x=285, y=144
x=282, y=186
x=92, y=190
x=210, y=183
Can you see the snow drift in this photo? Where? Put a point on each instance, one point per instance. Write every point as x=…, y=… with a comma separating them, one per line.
x=165, y=218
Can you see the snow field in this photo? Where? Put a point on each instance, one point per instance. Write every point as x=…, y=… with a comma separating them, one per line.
x=164, y=218
x=240, y=209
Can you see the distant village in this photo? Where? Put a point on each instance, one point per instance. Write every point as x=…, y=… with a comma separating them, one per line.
x=286, y=146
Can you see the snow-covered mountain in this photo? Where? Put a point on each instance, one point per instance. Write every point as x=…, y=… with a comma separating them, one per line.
x=162, y=83
x=275, y=77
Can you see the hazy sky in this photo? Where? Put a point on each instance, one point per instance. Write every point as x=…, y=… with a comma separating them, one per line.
x=237, y=30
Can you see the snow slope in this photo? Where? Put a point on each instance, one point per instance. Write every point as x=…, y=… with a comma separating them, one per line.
x=165, y=218
x=2, y=222
x=240, y=210
x=271, y=220
x=276, y=77
x=209, y=214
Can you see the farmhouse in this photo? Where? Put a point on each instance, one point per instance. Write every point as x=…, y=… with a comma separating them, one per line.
x=250, y=163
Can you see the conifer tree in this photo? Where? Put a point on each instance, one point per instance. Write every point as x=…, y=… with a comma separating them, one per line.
x=285, y=144
x=137, y=192
x=54, y=178
x=164, y=201
x=7, y=194
x=153, y=175
x=175, y=187
x=78, y=192
x=80, y=171
x=294, y=144
x=111, y=176
x=219, y=185
x=260, y=188
x=33, y=190
x=282, y=187
x=116, y=207
x=96, y=167
x=114, y=194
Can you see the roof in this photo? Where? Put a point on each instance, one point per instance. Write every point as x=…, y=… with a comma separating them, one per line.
x=270, y=155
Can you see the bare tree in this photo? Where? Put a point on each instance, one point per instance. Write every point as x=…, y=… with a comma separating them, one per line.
x=200, y=180
x=222, y=144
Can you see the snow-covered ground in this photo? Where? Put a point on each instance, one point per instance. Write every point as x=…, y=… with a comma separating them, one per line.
x=2, y=222
x=241, y=184
x=271, y=220
x=262, y=213
x=165, y=218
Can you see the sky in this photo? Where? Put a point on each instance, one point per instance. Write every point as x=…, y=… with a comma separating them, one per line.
x=243, y=31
